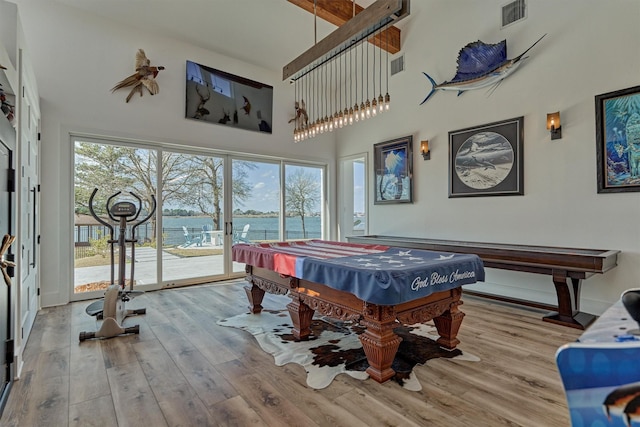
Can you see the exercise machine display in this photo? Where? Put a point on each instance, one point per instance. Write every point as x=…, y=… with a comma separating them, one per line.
x=111, y=309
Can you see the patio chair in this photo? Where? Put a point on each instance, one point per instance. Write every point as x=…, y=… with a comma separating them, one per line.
x=241, y=237
x=205, y=230
x=187, y=237
x=190, y=239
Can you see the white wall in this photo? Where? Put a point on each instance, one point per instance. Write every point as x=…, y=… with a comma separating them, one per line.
x=592, y=47
x=78, y=58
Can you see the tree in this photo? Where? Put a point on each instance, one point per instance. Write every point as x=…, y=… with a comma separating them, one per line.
x=98, y=165
x=194, y=181
x=114, y=168
x=204, y=186
x=302, y=194
x=143, y=164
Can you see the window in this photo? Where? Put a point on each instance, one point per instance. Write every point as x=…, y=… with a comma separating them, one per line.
x=111, y=169
x=353, y=200
x=303, y=202
x=192, y=217
x=206, y=202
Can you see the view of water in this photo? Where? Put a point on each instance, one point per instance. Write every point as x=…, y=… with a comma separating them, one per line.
x=260, y=228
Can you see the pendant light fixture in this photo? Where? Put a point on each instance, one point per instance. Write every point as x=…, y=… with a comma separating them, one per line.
x=346, y=103
x=387, y=98
x=351, y=118
x=374, y=103
x=320, y=74
x=335, y=85
x=356, y=109
x=362, y=106
x=380, y=98
x=367, y=104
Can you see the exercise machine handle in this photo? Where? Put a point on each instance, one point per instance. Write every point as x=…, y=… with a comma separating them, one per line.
x=139, y=207
x=152, y=210
x=96, y=217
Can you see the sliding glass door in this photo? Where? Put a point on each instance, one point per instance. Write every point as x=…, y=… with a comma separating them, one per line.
x=206, y=203
x=256, y=203
x=106, y=174
x=192, y=218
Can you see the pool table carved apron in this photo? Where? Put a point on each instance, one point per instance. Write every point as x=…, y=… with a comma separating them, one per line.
x=379, y=341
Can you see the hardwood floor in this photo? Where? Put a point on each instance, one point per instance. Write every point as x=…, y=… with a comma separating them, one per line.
x=184, y=370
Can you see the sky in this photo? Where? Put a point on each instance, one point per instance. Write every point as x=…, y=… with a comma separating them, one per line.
x=265, y=195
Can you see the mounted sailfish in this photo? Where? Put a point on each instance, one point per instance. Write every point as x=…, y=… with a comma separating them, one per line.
x=480, y=65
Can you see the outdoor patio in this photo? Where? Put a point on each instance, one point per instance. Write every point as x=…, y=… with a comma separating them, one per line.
x=174, y=267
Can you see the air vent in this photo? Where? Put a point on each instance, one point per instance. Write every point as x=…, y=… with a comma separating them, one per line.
x=397, y=65
x=513, y=12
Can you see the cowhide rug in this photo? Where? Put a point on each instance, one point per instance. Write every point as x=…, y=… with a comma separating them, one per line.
x=334, y=347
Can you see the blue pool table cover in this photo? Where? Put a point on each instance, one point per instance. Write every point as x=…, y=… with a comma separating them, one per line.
x=377, y=274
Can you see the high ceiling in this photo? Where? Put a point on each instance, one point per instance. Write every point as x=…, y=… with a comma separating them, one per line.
x=267, y=33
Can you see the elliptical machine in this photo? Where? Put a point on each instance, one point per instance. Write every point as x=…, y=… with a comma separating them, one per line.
x=111, y=309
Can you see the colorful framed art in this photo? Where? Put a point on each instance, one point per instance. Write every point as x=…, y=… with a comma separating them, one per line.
x=618, y=140
x=393, y=172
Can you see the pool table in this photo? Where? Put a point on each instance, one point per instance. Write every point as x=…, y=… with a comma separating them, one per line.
x=379, y=286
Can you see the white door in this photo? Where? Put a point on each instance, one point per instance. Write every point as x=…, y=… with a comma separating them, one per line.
x=28, y=215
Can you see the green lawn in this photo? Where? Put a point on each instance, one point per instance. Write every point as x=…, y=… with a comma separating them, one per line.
x=186, y=252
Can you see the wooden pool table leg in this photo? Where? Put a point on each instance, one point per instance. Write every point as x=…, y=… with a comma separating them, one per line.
x=379, y=342
x=301, y=315
x=448, y=325
x=255, y=296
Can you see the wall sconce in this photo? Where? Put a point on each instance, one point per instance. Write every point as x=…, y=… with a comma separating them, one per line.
x=553, y=124
x=424, y=149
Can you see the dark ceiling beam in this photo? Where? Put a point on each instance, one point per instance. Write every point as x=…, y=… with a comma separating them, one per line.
x=338, y=12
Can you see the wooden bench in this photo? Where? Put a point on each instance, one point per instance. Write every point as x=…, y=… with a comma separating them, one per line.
x=566, y=266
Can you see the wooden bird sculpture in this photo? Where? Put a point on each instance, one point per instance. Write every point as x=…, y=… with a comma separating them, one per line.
x=301, y=118
x=144, y=76
x=246, y=106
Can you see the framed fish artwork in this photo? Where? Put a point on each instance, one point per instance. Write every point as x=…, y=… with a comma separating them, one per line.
x=618, y=140
x=487, y=160
x=223, y=98
x=393, y=163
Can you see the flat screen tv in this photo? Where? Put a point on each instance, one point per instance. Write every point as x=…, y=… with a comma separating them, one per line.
x=222, y=98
